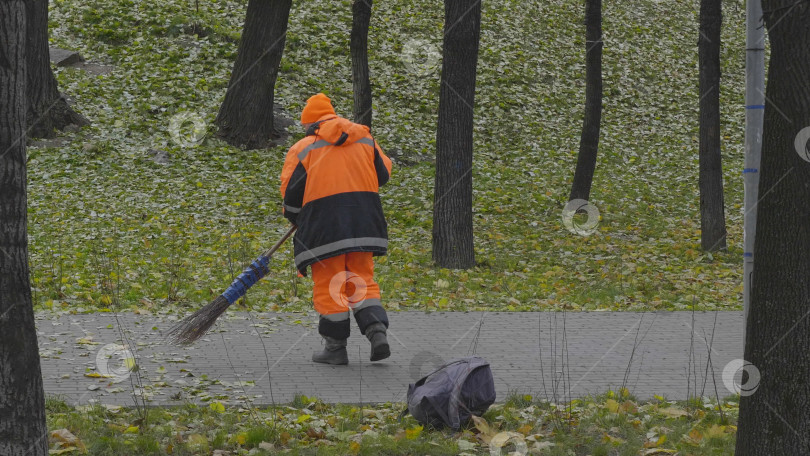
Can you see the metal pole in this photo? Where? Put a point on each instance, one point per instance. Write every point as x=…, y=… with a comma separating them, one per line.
x=754, y=116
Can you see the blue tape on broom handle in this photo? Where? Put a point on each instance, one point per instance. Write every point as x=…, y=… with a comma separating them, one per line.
x=247, y=279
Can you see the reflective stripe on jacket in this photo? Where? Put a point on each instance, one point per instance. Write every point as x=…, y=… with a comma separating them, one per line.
x=330, y=183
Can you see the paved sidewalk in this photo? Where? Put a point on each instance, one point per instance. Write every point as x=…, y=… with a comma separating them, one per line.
x=548, y=354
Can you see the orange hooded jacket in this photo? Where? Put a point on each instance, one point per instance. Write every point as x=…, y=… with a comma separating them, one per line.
x=330, y=183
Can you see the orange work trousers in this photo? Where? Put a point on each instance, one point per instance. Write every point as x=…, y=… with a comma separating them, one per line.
x=344, y=282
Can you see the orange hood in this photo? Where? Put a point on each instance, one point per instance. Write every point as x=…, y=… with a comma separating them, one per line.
x=332, y=130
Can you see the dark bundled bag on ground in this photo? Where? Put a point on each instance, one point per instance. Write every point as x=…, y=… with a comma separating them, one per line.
x=451, y=394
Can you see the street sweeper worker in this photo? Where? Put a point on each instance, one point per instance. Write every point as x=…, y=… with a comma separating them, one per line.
x=330, y=182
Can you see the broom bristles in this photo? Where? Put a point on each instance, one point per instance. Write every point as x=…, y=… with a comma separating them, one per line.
x=191, y=328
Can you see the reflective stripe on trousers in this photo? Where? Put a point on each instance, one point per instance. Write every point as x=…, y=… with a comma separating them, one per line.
x=340, y=316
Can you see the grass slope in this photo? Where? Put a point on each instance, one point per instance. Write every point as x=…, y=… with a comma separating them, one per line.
x=178, y=232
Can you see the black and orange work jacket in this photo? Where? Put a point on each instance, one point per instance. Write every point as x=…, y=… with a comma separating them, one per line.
x=330, y=183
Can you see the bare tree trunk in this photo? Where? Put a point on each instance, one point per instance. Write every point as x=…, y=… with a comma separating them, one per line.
x=22, y=401
x=712, y=217
x=452, y=197
x=589, y=141
x=47, y=108
x=775, y=419
x=361, y=16
x=245, y=118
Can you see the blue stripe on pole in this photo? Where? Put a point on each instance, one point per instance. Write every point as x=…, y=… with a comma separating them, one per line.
x=755, y=107
x=247, y=279
x=748, y=254
x=750, y=170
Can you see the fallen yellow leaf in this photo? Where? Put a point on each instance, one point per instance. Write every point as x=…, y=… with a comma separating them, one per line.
x=607, y=438
x=217, y=407
x=413, y=432
x=198, y=440
x=95, y=375
x=69, y=441
x=694, y=437
x=715, y=431
x=481, y=424
x=612, y=406
x=116, y=427
x=672, y=412
x=64, y=436
x=628, y=406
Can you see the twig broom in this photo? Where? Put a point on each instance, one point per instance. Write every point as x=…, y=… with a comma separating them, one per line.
x=191, y=328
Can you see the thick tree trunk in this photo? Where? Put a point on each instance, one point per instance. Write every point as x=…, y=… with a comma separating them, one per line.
x=775, y=420
x=47, y=108
x=22, y=401
x=712, y=217
x=245, y=118
x=589, y=141
x=361, y=16
x=452, y=197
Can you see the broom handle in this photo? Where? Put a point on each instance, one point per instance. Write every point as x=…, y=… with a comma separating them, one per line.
x=254, y=271
x=286, y=236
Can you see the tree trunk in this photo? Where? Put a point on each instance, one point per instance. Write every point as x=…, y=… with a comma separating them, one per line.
x=775, y=419
x=452, y=197
x=589, y=141
x=47, y=108
x=245, y=118
x=22, y=401
x=361, y=16
x=712, y=217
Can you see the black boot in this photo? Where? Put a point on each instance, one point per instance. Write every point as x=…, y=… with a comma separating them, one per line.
x=334, y=352
x=379, y=343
